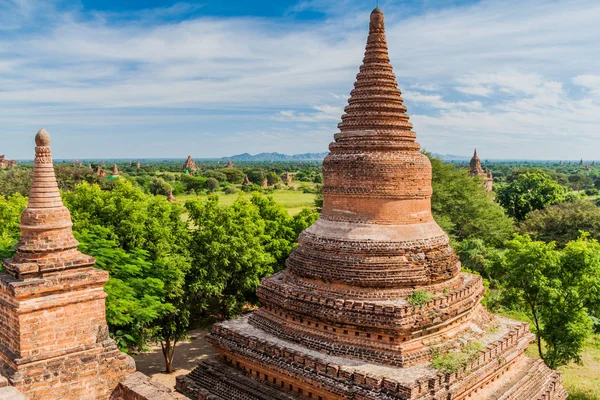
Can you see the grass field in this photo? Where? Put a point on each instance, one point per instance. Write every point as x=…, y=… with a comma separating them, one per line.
x=294, y=201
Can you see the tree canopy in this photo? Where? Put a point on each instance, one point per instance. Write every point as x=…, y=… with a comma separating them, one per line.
x=563, y=222
x=558, y=289
x=529, y=190
x=463, y=208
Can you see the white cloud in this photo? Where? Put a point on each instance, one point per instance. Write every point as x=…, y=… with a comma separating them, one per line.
x=470, y=76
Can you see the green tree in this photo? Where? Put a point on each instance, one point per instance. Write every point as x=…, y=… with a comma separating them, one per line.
x=526, y=191
x=563, y=222
x=143, y=241
x=580, y=181
x=15, y=180
x=11, y=208
x=228, y=253
x=463, y=208
x=234, y=175
x=159, y=186
x=557, y=289
x=272, y=178
x=211, y=184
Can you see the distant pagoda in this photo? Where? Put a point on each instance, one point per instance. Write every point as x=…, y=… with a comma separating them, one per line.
x=476, y=170
x=342, y=321
x=287, y=177
x=4, y=163
x=115, y=170
x=189, y=165
x=170, y=196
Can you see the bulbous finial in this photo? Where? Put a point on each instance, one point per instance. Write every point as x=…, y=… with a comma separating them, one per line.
x=377, y=21
x=42, y=138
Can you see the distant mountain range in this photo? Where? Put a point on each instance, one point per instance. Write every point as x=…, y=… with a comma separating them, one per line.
x=313, y=157
x=276, y=157
x=451, y=157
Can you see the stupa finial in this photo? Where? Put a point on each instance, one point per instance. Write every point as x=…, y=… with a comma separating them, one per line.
x=42, y=138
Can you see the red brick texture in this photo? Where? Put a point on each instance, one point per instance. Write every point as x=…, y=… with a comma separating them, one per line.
x=54, y=341
x=338, y=323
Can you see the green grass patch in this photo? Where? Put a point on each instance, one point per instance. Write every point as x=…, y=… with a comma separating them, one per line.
x=294, y=201
x=420, y=297
x=456, y=361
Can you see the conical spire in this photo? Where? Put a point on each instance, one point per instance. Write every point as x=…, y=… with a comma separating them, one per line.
x=44, y=189
x=47, y=243
x=115, y=170
x=475, y=166
x=375, y=103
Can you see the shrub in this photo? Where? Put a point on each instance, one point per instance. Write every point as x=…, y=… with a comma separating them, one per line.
x=420, y=297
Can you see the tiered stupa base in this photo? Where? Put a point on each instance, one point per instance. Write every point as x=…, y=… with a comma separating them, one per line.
x=255, y=365
x=61, y=348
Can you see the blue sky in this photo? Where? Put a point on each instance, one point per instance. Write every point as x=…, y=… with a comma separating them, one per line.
x=133, y=79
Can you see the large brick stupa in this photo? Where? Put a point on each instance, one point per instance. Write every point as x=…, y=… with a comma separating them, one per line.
x=373, y=293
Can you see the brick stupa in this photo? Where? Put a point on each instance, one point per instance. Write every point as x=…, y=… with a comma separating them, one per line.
x=343, y=321
x=476, y=170
x=54, y=341
x=189, y=165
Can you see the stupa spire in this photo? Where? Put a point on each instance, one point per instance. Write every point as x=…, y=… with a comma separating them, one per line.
x=44, y=191
x=47, y=243
x=376, y=104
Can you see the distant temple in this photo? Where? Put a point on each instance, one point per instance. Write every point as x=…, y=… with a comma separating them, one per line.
x=246, y=181
x=265, y=183
x=341, y=322
x=115, y=170
x=476, y=170
x=4, y=163
x=100, y=172
x=229, y=164
x=170, y=197
x=139, y=164
x=189, y=165
x=287, y=177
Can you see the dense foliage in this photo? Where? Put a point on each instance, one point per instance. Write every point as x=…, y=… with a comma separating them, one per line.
x=464, y=209
x=563, y=222
x=526, y=191
x=558, y=289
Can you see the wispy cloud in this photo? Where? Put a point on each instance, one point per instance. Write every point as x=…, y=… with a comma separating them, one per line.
x=525, y=88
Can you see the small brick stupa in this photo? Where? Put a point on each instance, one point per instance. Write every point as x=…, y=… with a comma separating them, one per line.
x=373, y=292
x=287, y=177
x=189, y=165
x=476, y=170
x=115, y=170
x=246, y=181
x=54, y=341
x=170, y=196
x=100, y=172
